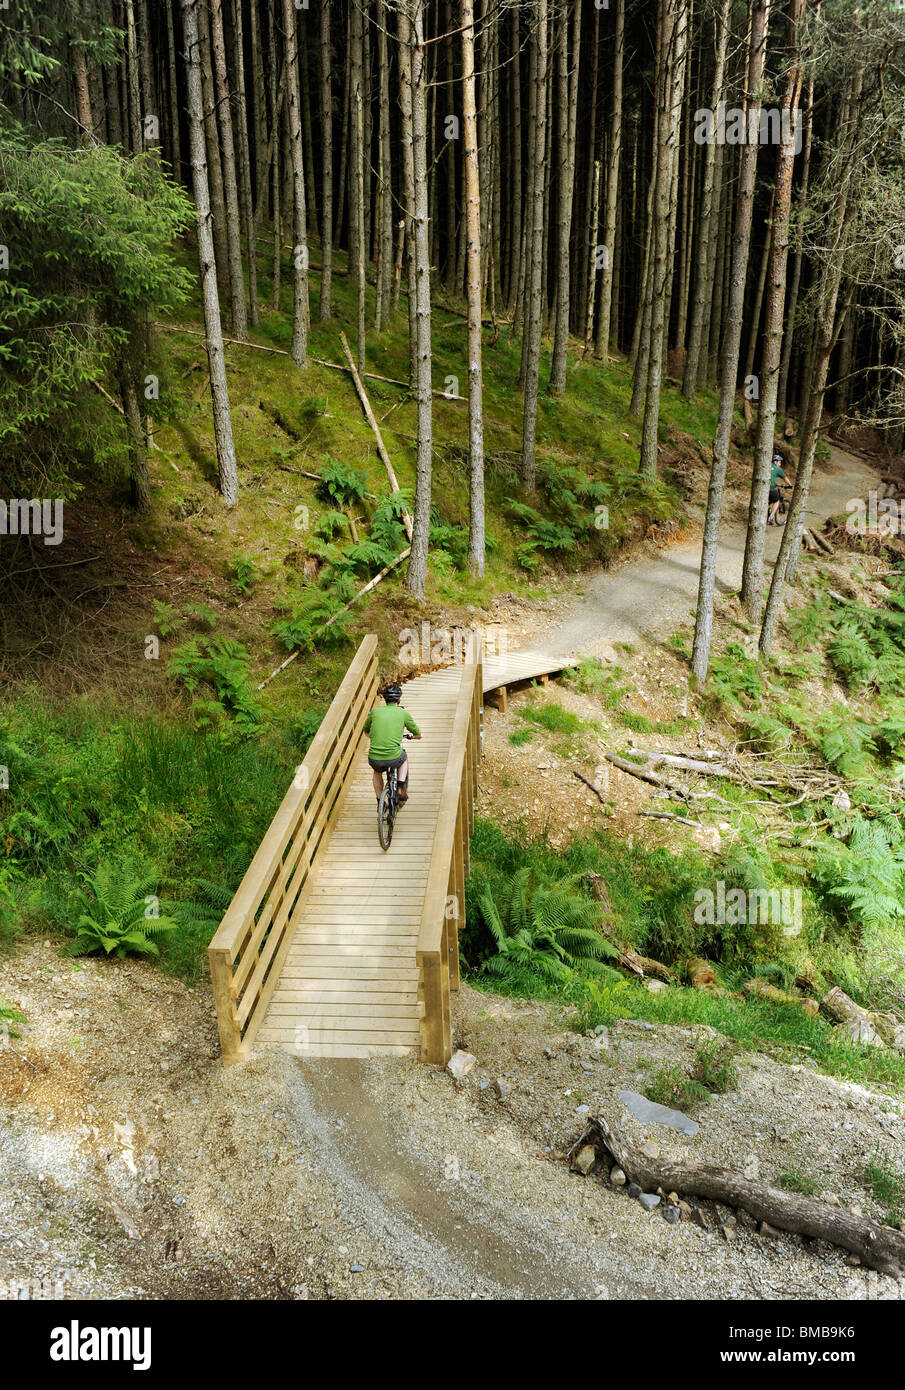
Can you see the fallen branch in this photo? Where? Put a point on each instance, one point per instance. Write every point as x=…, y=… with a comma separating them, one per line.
x=669, y=815
x=369, y=416
x=880, y=1247
x=371, y=584
x=685, y=764
x=588, y=783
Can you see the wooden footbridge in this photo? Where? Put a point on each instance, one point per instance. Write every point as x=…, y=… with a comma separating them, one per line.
x=332, y=947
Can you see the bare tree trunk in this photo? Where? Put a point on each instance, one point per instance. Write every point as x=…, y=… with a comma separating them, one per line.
x=139, y=484
x=300, y=315
x=534, y=281
x=592, y=260
x=212, y=140
x=173, y=89
x=276, y=133
x=223, y=430
x=796, y=265
x=248, y=221
x=473, y=292
x=588, y=269
x=753, y=565
x=135, y=132
x=258, y=105
x=757, y=306
x=230, y=185
x=385, y=176
x=327, y=156
x=710, y=210
x=408, y=175
x=515, y=224
x=675, y=35
x=614, y=156
x=826, y=330
x=357, y=231
x=568, y=118
x=82, y=92
x=759, y=16
x=414, y=37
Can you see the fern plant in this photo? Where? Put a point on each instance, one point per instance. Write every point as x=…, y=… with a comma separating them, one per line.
x=546, y=930
x=222, y=663
x=114, y=913
x=341, y=484
x=865, y=878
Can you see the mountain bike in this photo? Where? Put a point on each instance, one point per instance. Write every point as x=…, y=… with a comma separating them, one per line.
x=783, y=509
x=388, y=805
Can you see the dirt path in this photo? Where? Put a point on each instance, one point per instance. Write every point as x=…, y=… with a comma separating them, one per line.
x=651, y=595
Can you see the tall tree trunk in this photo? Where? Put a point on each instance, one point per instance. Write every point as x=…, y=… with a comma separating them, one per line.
x=705, y=260
x=276, y=137
x=515, y=223
x=230, y=184
x=674, y=42
x=139, y=483
x=591, y=254
x=327, y=156
x=299, y=347
x=82, y=92
x=212, y=140
x=759, y=16
x=771, y=349
x=534, y=281
x=826, y=330
x=408, y=183
x=248, y=221
x=568, y=117
x=614, y=156
x=258, y=105
x=384, y=217
x=135, y=133
x=587, y=270
x=758, y=304
x=802, y=204
x=473, y=293
x=357, y=231
x=173, y=90
x=413, y=36
x=223, y=430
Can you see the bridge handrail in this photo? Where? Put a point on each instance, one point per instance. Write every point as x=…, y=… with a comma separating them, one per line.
x=443, y=912
x=247, y=951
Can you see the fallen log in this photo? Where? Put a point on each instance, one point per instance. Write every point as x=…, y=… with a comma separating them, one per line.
x=684, y=764
x=764, y=990
x=880, y=1247
x=700, y=972
x=369, y=416
x=628, y=959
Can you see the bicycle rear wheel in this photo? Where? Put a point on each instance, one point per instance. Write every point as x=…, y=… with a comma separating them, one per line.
x=385, y=818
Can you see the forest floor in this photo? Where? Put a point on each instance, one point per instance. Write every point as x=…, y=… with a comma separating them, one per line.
x=136, y=1165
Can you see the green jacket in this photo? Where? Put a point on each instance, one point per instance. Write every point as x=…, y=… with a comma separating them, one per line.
x=385, y=725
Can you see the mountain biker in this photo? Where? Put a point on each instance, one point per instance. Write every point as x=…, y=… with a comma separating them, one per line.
x=385, y=724
x=776, y=472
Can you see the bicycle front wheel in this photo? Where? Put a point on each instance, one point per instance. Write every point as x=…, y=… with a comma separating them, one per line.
x=385, y=818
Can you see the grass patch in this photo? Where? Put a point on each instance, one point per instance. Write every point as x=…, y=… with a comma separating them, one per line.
x=671, y=1086
x=888, y=1187
x=797, y=1180
x=519, y=737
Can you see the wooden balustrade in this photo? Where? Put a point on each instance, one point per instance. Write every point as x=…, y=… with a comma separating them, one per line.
x=249, y=947
x=443, y=911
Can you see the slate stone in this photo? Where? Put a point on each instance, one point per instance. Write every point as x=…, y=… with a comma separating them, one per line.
x=648, y=1112
x=649, y=1200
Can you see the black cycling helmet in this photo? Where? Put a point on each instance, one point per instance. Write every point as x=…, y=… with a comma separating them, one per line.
x=393, y=694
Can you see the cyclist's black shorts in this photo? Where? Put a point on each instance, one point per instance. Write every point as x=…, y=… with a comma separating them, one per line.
x=775, y=494
x=384, y=764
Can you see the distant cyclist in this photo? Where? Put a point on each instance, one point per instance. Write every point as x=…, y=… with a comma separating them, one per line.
x=776, y=472
x=386, y=725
